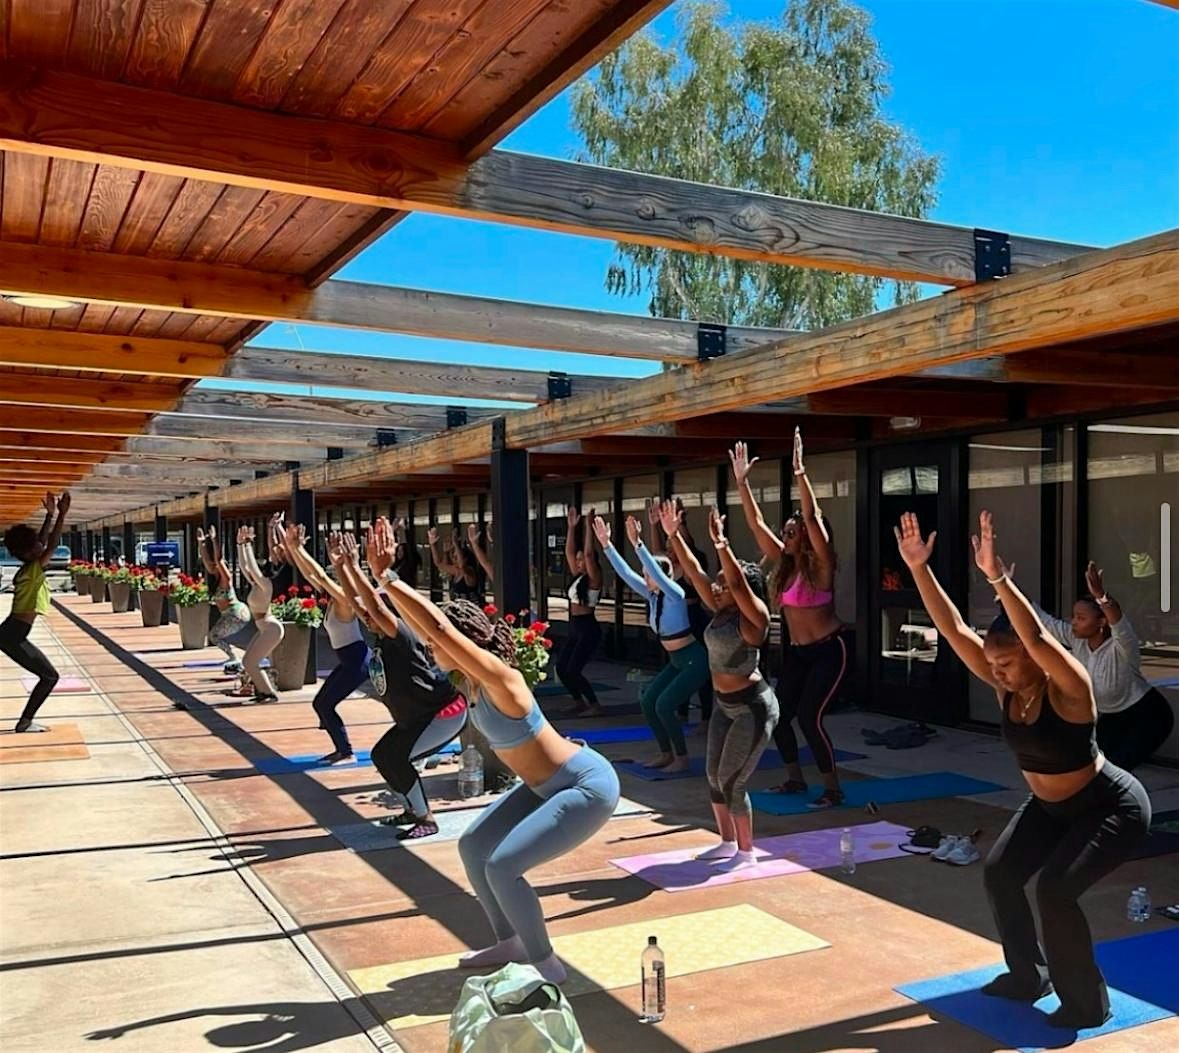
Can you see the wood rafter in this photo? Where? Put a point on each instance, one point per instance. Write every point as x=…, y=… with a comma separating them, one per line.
x=53, y=114
x=18, y=389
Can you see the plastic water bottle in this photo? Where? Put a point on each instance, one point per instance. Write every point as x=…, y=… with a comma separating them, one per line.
x=654, y=983
x=1138, y=905
x=847, y=851
x=470, y=780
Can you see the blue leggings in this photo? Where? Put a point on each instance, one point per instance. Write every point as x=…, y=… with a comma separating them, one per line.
x=685, y=673
x=341, y=682
x=527, y=827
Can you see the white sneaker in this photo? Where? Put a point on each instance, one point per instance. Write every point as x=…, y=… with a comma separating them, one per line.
x=963, y=853
x=945, y=847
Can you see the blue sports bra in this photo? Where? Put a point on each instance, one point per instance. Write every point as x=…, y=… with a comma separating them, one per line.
x=501, y=731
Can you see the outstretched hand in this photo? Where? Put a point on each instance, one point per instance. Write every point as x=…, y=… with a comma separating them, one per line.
x=294, y=535
x=742, y=465
x=634, y=531
x=1095, y=580
x=985, y=557
x=716, y=527
x=381, y=545
x=63, y=502
x=572, y=517
x=335, y=548
x=50, y=503
x=351, y=549
x=799, y=467
x=473, y=534
x=670, y=516
x=432, y=535
x=601, y=530
x=914, y=551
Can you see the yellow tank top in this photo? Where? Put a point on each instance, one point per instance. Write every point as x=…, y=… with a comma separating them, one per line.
x=30, y=590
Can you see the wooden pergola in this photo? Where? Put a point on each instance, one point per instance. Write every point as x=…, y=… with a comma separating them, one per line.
x=176, y=179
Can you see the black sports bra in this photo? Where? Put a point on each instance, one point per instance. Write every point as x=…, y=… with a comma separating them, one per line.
x=1050, y=745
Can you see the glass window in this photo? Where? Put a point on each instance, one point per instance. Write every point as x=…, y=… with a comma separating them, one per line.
x=765, y=482
x=636, y=491
x=1007, y=474
x=833, y=477
x=696, y=487
x=1133, y=486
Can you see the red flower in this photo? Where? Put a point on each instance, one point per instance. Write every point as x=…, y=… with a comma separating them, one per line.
x=530, y=637
x=308, y=604
x=539, y=627
x=548, y=644
x=323, y=602
x=491, y=610
x=307, y=590
x=510, y=619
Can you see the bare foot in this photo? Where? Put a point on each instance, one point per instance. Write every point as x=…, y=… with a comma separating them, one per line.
x=679, y=764
x=662, y=761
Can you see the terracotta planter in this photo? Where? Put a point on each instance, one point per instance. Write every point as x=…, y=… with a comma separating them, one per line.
x=151, y=607
x=120, y=592
x=97, y=590
x=288, y=661
x=194, y=626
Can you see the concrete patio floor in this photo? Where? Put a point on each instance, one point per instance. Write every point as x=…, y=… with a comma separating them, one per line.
x=163, y=893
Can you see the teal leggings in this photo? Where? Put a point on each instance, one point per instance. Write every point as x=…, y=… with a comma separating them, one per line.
x=685, y=673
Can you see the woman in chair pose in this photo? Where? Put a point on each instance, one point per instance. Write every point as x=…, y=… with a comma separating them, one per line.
x=584, y=631
x=30, y=599
x=1084, y=816
x=745, y=709
x=814, y=652
x=567, y=792
x=235, y=615
x=269, y=630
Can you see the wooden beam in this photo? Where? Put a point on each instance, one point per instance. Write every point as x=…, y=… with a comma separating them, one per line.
x=51, y=114
x=1076, y=367
x=97, y=352
x=232, y=292
x=170, y=472
x=224, y=450
x=1058, y=401
x=895, y=400
x=37, y=443
x=368, y=414
x=1115, y=290
x=27, y=389
x=11, y=454
x=205, y=429
x=73, y=422
x=766, y=427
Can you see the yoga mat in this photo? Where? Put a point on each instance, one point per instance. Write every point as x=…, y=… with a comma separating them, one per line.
x=205, y=663
x=60, y=742
x=769, y=759
x=880, y=791
x=627, y=709
x=66, y=685
x=310, y=761
x=413, y=993
x=1139, y=970
x=374, y=837
x=554, y=689
x=678, y=871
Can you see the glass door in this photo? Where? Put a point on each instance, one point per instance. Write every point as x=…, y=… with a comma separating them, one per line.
x=911, y=674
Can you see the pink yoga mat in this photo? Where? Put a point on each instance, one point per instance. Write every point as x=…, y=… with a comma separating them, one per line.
x=66, y=683
x=777, y=856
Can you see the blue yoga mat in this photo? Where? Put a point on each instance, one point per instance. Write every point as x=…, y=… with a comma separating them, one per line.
x=605, y=736
x=1140, y=971
x=309, y=761
x=880, y=791
x=556, y=689
x=769, y=759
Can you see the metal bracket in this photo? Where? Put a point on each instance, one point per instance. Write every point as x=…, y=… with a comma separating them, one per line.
x=456, y=416
x=499, y=433
x=259, y=474
x=710, y=340
x=386, y=437
x=992, y=255
x=335, y=453
x=293, y=466
x=560, y=386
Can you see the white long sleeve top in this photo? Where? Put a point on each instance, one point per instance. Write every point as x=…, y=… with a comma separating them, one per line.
x=1114, y=667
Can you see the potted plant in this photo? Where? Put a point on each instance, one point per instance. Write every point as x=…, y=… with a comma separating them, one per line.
x=190, y=597
x=151, y=592
x=99, y=576
x=79, y=570
x=120, y=588
x=300, y=612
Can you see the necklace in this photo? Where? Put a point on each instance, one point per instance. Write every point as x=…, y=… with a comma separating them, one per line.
x=1036, y=695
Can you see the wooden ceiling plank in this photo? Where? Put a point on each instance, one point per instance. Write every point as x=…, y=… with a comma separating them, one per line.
x=39, y=30
x=25, y=178
x=110, y=194
x=30, y=440
x=206, y=429
x=167, y=30
x=258, y=228
x=73, y=422
x=109, y=354
x=30, y=390
x=44, y=112
x=65, y=201
x=189, y=210
x=102, y=34
x=227, y=38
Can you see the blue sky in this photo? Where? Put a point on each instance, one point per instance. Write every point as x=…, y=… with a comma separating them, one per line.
x=1055, y=118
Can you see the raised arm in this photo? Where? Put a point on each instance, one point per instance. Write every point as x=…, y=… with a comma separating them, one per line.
x=246, y=558
x=626, y=574
x=812, y=516
x=671, y=518
x=593, y=569
x=49, y=503
x=504, y=685
x=1049, y=654
x=664, y=582
x=53, y=539
x=480, y=552
x=345, y=557
x=572, y=516
x=294, y=542
x=204, y=549
x=767, y=540
x=755, y=615
x=654, y=506
x=947, y=619
x=438, y=555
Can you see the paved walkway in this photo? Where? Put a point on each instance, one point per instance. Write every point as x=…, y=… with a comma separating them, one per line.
x=172, y=890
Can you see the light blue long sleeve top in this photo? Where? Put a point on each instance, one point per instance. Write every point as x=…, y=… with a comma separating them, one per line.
x=667, y=607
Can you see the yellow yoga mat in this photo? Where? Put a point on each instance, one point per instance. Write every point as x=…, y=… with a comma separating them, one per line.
x=414, y=993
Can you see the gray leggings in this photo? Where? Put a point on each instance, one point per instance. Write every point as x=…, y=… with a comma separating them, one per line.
x=232, y=621
x=741, y=726
x=530, y=826
x=266, y=639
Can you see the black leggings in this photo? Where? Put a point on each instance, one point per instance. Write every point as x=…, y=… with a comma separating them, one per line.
x=14, y=642
x=811, y=675
x=1132, y=736
x=584, y=636
x=401, y=745
x=698, y=618
x=1073, y=844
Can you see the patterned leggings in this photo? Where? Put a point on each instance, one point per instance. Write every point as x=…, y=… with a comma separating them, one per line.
x=233, y=620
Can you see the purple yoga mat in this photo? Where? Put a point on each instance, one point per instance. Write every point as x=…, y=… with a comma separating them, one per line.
x=70, y=684
x=677, y=871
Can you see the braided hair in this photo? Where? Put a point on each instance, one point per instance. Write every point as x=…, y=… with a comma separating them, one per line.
x=494, y=636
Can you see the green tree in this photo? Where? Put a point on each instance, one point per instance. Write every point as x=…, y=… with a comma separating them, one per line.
x=791, y=108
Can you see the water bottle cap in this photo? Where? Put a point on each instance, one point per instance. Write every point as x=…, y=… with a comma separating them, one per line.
x=651, y=941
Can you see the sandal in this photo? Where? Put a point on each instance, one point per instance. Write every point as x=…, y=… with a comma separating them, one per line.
x=828, y=799
x=265, y=698
x=337, y=757
x=425, y=828
x=789, y=786
x=400, y=819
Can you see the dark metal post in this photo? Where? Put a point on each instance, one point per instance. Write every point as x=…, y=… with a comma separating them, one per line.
x=509, y=510
x=161, y=528
x=106, y=544
x=129, y=541
x=303, y=511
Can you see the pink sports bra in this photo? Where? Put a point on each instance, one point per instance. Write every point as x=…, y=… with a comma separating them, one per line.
x=801, y=594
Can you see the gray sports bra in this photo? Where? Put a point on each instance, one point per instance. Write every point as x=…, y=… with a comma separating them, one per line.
x=727, y=650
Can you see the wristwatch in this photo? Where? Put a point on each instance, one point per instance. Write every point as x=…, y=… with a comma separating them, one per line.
x=391, y=576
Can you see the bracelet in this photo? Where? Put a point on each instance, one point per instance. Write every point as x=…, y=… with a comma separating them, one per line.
x=1104, y=600
x=800, y=471
x=995, y=581
x=391, y=576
